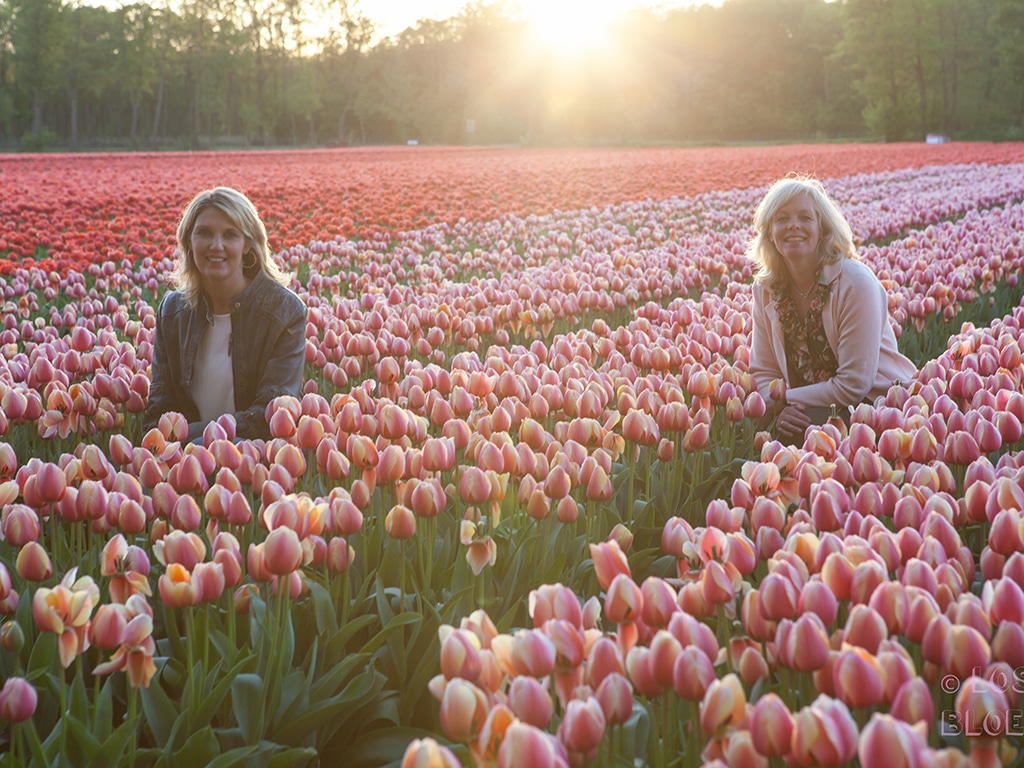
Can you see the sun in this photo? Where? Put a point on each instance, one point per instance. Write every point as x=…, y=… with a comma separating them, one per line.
x=572, y=26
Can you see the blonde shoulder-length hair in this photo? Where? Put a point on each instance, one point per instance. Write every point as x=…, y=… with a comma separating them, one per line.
x=836, y=238
x=243, y=214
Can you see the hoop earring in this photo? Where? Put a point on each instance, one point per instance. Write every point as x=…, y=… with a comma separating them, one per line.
x=253, y=263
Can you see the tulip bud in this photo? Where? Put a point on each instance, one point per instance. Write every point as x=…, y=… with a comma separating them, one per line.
x=12, y=637
x=18, y=700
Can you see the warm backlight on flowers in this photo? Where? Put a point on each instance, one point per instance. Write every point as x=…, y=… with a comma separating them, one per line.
x=528, y=491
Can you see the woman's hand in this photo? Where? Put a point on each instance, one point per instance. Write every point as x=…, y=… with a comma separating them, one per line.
x=792, y=419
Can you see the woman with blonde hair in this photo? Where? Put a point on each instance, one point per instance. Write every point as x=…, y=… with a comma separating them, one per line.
x=821, y=317
x=231, y=337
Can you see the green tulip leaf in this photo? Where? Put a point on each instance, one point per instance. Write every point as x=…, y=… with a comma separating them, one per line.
x=338, y=642
x=81, y=743
x=201, y=748
x=294, y=691
x=247, y=704
x=104, y=711
x=232, y=757
x=160, y=711
x=210, y=703
x=323, y=609
x=44, y=653
x=394, y=625
x=116, y=744
x=291, y=757
x=353, y=696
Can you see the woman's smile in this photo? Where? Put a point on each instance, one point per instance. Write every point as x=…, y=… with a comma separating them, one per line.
x=218, y=246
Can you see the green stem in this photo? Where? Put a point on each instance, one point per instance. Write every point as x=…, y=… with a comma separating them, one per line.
x=231, y=627
x=63, y=714
x=190, y=655
x=344, y=598
x=133, y=743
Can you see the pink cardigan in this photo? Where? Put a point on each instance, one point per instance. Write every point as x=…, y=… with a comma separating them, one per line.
x=856, y=320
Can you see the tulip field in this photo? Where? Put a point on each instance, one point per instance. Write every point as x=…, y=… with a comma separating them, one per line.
x=527, y=511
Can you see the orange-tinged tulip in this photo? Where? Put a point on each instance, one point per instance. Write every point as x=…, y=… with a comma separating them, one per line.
x=723, y=705
x=177, y=588
x=858, y=678
x=400, y=522
x=609, y=562
x=480, y=554
x=427, y=753
x=33, y=563
x=460, y=654
x=463, y=710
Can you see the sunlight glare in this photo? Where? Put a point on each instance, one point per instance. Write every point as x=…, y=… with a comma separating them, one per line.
x=571, y=26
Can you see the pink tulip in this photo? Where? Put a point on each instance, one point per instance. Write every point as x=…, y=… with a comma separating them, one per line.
x=583, y=725
x=913, y=703
x=282, y=552
x=771, y=726
x=615, y=696
x=887, y=742
x=18, y=700
x=692, y=674
x=824, y=734
x=524, y=745
x=530, y=702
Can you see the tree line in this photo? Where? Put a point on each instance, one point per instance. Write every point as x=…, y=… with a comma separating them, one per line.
x=201, y=73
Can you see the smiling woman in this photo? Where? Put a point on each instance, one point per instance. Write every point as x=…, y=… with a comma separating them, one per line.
x=226, y=282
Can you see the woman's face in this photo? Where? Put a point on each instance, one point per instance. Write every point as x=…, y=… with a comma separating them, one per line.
x=217, y=247
x=795, y=231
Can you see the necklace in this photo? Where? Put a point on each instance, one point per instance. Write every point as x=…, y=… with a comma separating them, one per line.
x=804, y=294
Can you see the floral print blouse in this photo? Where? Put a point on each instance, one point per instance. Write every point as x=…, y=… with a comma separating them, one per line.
x=808, y=354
